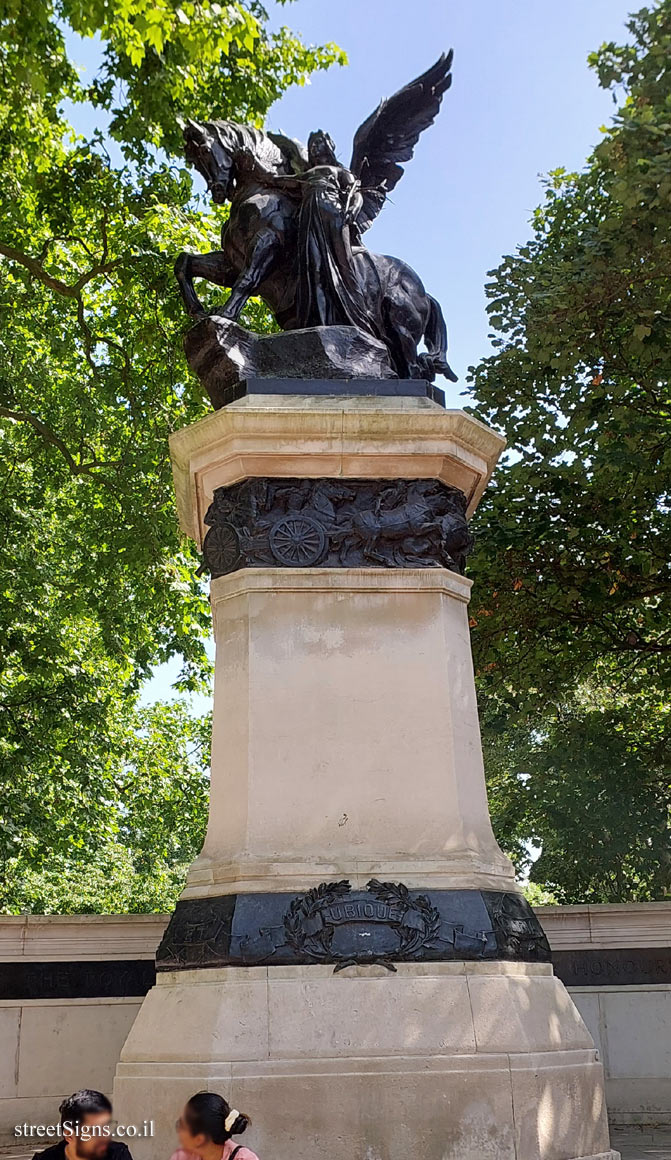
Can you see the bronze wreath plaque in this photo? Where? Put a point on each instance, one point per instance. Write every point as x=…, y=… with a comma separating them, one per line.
x=335, y=924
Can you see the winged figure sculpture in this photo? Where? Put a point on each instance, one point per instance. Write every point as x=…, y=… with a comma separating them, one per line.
x=297, y=219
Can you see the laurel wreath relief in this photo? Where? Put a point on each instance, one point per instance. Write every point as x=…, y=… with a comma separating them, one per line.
x=308, y=910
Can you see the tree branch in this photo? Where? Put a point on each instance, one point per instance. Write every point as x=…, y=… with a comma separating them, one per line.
x=67, y=289
x=54, y=440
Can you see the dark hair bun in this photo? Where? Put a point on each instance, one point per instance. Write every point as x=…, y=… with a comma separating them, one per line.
x=207, y=1113
x=240, y=1124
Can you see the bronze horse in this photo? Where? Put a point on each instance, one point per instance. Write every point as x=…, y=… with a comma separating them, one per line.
x=259, y=244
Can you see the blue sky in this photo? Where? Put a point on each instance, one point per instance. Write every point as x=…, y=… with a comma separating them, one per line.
x=523, y=102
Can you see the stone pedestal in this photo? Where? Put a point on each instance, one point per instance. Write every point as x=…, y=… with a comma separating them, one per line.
x=351, y=962
x=346, y=741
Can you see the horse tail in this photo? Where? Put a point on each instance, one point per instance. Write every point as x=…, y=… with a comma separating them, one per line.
x=434, y=361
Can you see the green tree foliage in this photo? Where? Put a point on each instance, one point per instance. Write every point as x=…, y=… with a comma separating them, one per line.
x=572, y=615
x=97, y=586
x=122, y=825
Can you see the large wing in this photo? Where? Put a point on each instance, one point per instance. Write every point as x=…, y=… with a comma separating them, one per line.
x=293, y=150
x=390, y=134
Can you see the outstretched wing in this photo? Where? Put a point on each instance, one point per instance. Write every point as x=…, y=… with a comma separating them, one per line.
x=294, y=151
x=390, y=134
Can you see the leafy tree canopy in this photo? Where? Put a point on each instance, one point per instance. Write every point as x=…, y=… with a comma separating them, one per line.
x=572, y=613
x=97, y=587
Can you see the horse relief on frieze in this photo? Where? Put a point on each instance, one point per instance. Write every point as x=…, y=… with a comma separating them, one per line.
x=336, y=523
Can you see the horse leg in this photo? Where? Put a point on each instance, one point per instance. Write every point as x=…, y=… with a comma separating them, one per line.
x=403, y=341
x=347, y=546
x=408, y=344
x=370, y=550
x=212, y=266
x=262, y=259
x=406, y=312
x=435, y=361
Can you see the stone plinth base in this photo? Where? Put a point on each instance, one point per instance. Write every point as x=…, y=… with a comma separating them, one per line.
x=223, y=354
x=336, y=388
x=449, y=1061
x=348, y=820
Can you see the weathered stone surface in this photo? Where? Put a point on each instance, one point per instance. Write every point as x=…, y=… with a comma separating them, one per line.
x=222, y=353
x=311, y=663
x=443, y=1061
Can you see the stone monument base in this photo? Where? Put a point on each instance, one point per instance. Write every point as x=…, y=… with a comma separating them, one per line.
x=223, y=354
x=348, y=822
x=438, y=1061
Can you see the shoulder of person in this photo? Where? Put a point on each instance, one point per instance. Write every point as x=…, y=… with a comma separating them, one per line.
x=182, y=1154
x=53, y=1152
x=245, y=1154
x=118, y=1151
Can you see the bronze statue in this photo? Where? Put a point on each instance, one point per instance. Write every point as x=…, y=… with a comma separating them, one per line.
x=296, y=222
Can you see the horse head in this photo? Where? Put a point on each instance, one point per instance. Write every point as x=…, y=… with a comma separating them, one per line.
x=210, y=146
x=213, y=148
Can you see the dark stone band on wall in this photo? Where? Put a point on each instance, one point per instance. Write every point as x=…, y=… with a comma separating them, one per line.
x=612, y=967
x=336, y=523
x=116, y=978
x=385, y=923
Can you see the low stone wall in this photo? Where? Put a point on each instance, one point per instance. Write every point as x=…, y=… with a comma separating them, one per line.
x=70, y=988
x=616, y=962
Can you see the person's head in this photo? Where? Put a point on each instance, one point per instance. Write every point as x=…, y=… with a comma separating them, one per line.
x=84, y=1116
x=321, y=149
x=208, y=1119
